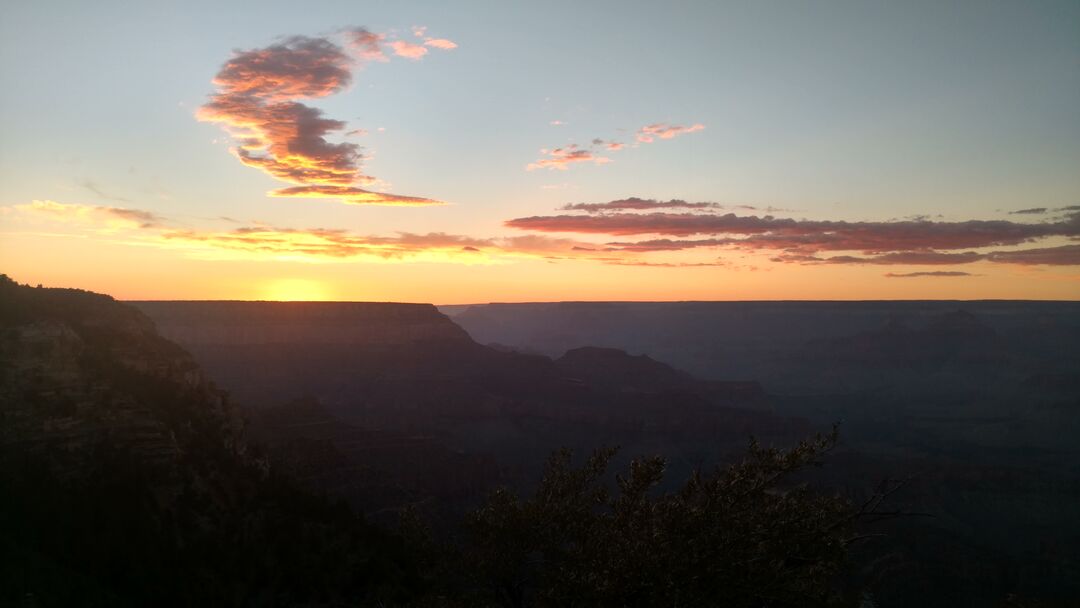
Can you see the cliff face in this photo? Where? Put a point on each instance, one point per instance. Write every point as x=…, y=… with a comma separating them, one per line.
x=270, y=353
x=358, y=324
x=125, y=480
x=80, y=370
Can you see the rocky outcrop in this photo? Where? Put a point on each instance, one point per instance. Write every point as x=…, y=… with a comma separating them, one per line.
x=79, y=371
x=126, y=481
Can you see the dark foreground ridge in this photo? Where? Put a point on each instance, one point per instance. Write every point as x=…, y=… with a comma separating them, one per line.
x=357, y=457
x=129, y=481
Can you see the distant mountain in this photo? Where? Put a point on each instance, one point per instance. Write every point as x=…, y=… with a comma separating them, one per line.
x=953, y=338
x=773, y=342
x=615, y=369
x=407, y=368
x=406, y=365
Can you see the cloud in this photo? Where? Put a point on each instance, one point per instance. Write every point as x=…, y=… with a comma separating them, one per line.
x=353, y=195
x=441, y=43
x=263, y=241
x=408, y=50
x=665, y=264
x=107, y=218
x=613, y=146
x=912, y=258
x=637, y=204
x=1065, y=255
x=335, y=244
x=802, y=241
x=298, y=67
x=668, y=244
x=768, y=232
x=368, y=45
x=936, y=273
x=257, y=104
x=576, y=153
x=420, y=31
x=93, y=186
x=649, y=133
x=562, y=158
x=1032, y=211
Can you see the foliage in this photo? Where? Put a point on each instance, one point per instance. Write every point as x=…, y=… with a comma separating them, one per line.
x=742, y=535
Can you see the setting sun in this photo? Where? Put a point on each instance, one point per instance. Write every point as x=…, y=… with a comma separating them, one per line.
x=296, y=290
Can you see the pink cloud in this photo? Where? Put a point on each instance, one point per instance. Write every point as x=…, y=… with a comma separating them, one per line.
x=637, y=204
x=575, y=153
x=662, y=130
x=441, y=43
x=367, y=44
x=562, y=158
x=257, y=102
x=895, y=242
x=408, y=50
x=936, y=273
x=810, y=235
x=353, y=195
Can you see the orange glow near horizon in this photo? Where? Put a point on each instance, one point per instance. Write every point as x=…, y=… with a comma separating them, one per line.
x=297, y=290
x=131, y=271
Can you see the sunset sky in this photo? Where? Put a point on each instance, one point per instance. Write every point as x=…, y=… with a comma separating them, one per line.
x=503, y=151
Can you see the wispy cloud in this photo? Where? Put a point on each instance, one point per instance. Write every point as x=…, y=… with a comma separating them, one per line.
x=92, y=186
x=441, y=43
x=353, y=195
x=644, y=135
x=408, y=50
x=108, y=218
x=333, y=244
x=1065, y=255
x=267, y=242
x=637, y=204
x=1044, y=210
x=935, y=273
x=802, y=241
x=562, y=158
x=663, y=130
x=366, y=44
x=420, y=31
x=257, y=102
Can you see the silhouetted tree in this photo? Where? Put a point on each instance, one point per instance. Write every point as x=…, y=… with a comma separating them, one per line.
x=741, y=535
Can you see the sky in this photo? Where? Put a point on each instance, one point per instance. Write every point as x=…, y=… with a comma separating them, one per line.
x=501, y=151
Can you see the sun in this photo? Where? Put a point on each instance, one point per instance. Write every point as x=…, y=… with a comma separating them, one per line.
x=296, y=290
